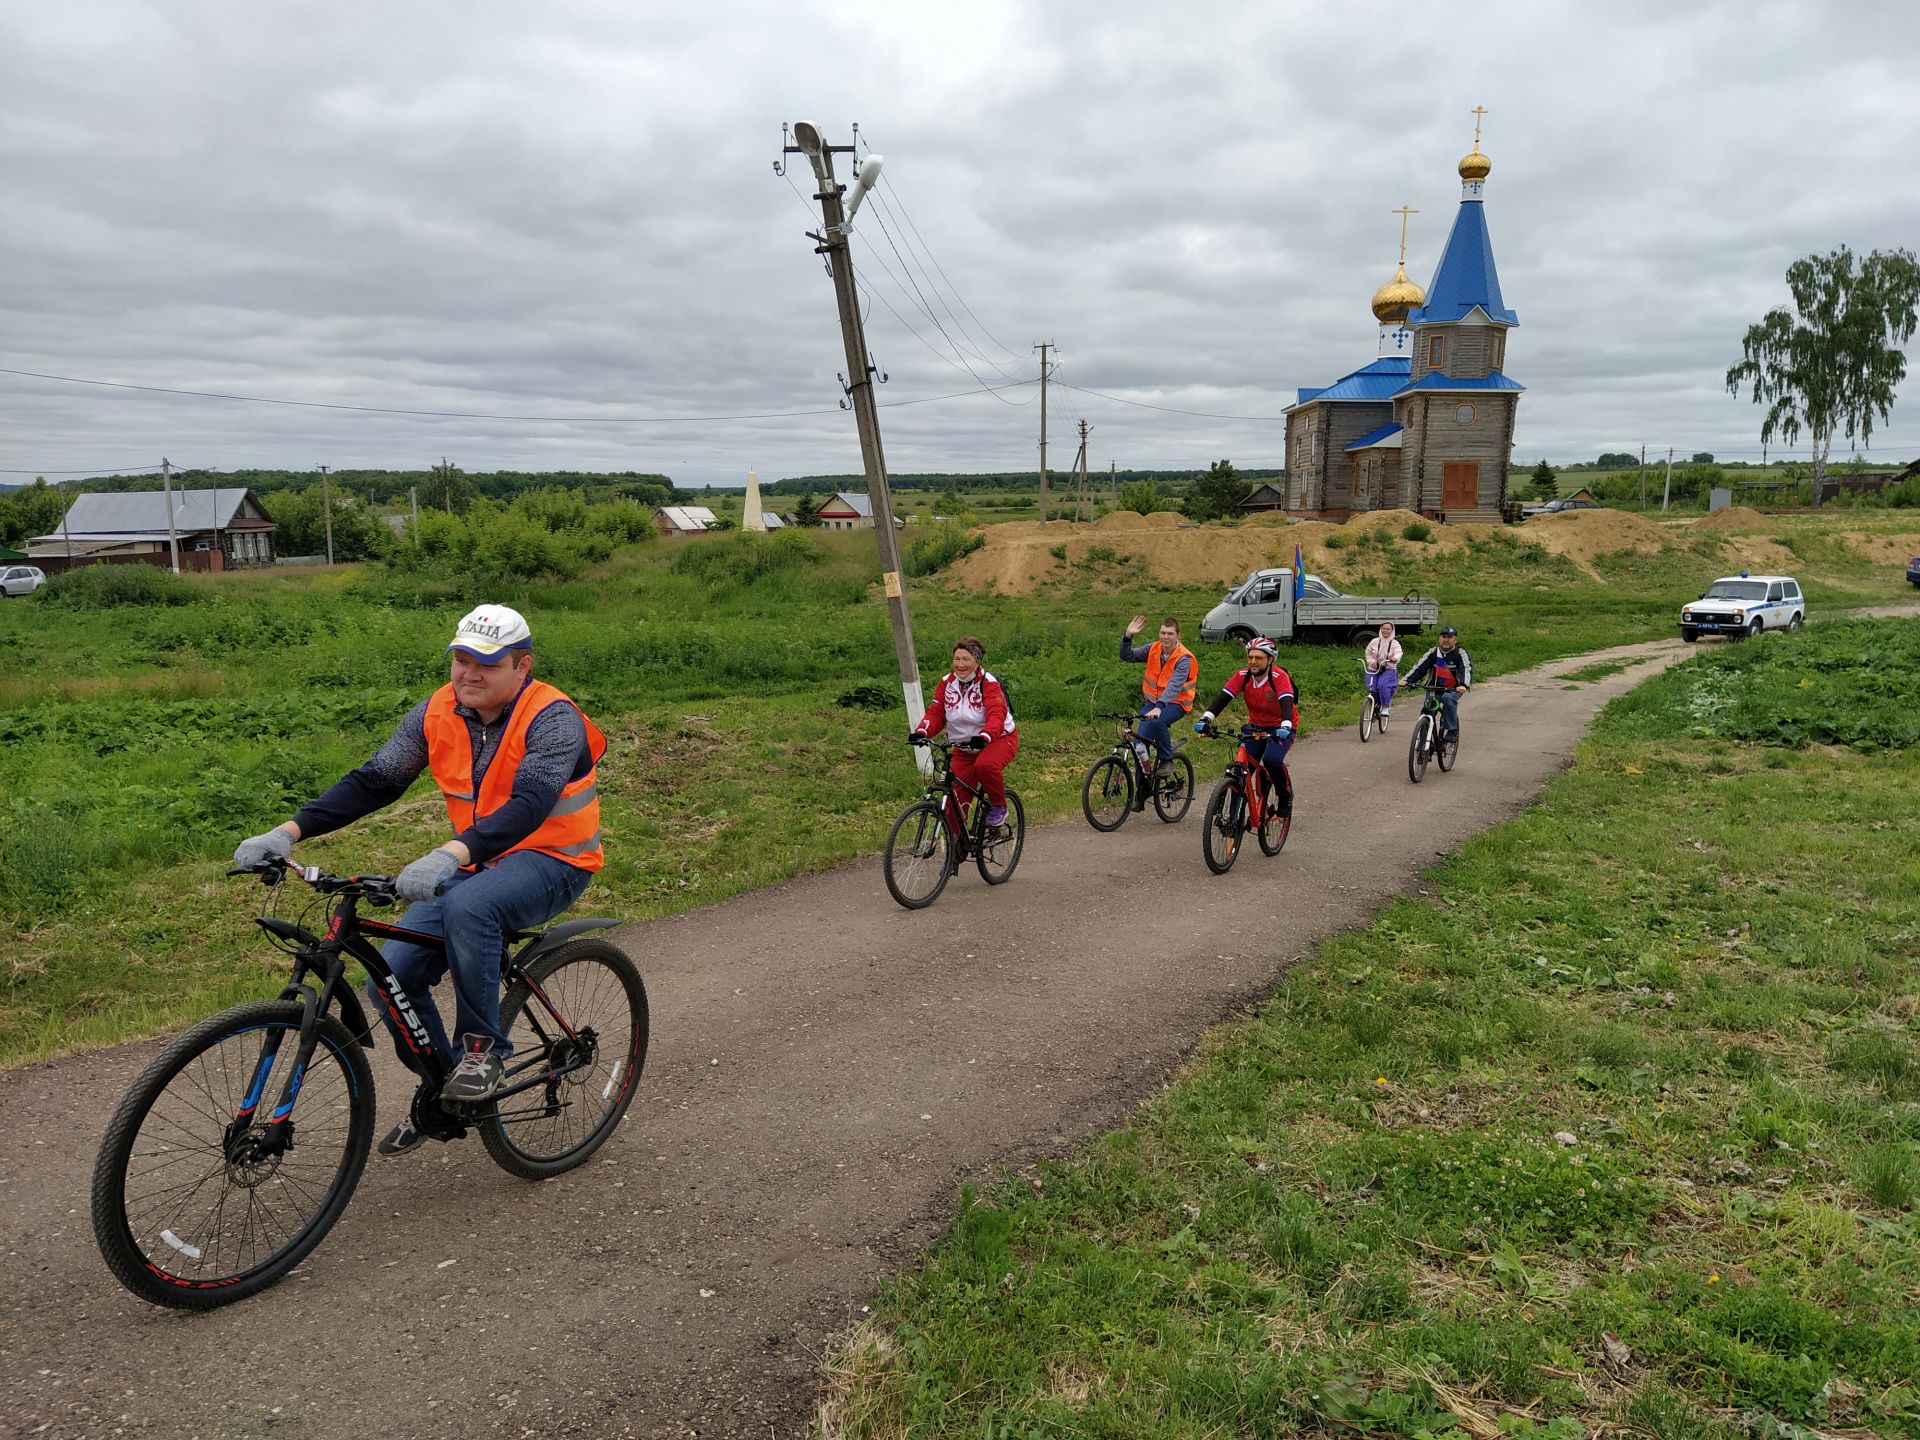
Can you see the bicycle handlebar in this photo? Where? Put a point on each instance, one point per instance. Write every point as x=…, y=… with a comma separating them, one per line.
x=375, y=889
x=1247, y=732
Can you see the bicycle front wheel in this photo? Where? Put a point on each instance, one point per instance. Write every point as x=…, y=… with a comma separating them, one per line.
x=1173, y=792
x=579, y=1017
x=192, y=1206
x=1106, y=795
x=1225, y=824
x=919, y=853
x=1366, y=717
x=997, y=849
x=1417, y=749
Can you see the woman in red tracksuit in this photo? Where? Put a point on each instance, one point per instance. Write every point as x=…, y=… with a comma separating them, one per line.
x=972, y=708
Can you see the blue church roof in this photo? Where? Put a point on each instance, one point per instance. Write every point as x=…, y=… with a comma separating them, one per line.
x=1466, y=277
x=1377, y=380
x=1374, y=437
x=1434, y=380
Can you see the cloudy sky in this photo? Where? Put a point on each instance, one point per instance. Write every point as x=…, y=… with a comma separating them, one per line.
x=569, y=210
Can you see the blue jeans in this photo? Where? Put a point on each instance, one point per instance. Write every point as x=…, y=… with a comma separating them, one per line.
x=1450, y=710
x=474, y=913
x=1270, y=754
x=1157, y=732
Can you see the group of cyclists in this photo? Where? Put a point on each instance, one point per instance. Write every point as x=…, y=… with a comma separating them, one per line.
x=515, y=761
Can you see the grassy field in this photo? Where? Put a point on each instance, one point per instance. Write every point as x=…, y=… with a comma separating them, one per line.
x=137, y=743
x=1613, y=1127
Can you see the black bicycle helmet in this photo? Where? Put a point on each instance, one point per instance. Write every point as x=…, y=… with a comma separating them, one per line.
x=1449, y=630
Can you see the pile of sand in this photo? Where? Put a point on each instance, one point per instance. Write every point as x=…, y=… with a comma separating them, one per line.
x=1582, y=534
x=1736, y=517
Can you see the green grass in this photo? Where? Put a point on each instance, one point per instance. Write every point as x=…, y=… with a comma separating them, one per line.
x=142, y=733
x=1638, y=1069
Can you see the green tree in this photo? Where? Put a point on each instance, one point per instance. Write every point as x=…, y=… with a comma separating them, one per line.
x=35, y=509
x=1832, y=363
x=807, y=512
x=1703, y=457
x=1546, y=486
x=1218, y=493
x=1145, y=496
x=1615, y=460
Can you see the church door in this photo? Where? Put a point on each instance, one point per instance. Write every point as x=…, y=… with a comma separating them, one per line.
x=1460, y=485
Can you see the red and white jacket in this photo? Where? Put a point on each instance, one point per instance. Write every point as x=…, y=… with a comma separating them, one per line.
x=966, y=708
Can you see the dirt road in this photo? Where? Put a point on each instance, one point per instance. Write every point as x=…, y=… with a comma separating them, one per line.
x=826, y=1068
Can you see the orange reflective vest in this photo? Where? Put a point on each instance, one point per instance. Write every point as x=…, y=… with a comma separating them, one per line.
x=1160, y=663
x=571, y=831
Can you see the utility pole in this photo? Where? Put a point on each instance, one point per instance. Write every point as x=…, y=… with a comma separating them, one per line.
x=1667, y=494
x=413, y=494
x=446, y=479
x=326, y=509
x=1080, y=477
x=832, y=241
x=173, y=537
x=1643, y=475
x=1113, y=483
x=1043, y=348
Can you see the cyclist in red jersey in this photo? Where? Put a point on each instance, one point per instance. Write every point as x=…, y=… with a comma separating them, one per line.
x=1267, y=692
x=971, y=706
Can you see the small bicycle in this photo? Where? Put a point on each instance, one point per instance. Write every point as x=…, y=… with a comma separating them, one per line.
x=1115, y=782
x=925, y=848
x=1373, y=715
x=238, y=1148
x=1430, y=741
x=1241, y=802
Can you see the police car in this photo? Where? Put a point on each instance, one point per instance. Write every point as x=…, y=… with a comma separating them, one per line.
x=1742, y=605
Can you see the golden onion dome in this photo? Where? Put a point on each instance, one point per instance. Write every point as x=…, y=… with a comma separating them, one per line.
x=1395, y=299
x=1475, y=166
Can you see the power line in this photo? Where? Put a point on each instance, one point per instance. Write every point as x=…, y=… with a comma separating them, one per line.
x=885, y=210
x=879, y=219
x=456, y=414
x=95, y=470
x=1169, y=409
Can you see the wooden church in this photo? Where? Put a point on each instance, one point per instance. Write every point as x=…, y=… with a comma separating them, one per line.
x=1428, y=424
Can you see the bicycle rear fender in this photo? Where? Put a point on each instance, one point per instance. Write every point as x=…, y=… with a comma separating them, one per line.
x=556, y=937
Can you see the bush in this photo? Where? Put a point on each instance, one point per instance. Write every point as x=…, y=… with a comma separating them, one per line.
x=1339, y=540
x=1418, y=530
x=1145, y=496
x=746, y=559
x=939, y=546
x=107, y=587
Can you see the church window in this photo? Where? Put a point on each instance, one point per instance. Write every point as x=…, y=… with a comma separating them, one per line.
x=1436, y=351
x=1499, y=355
x=1464, y=415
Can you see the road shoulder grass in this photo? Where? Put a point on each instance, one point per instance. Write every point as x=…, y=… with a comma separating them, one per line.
x=1614, y=1125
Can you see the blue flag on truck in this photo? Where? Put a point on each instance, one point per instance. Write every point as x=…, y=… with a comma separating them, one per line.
x=1299, y=576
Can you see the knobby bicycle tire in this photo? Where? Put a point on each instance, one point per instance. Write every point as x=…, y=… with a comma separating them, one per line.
x=1109, y=782
x=1447, y=752
x=221, y=1204
x=1417, y=749
x=1223, y=827
x=916, y=878
x=1172, y=808
x=547, y=1131
x=1275, y=825
x=993, y=859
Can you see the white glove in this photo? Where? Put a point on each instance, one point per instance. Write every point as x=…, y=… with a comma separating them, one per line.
x=1285, y=728
x=423, y=879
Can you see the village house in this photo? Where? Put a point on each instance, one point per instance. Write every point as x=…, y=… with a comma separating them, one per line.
x=215, y=530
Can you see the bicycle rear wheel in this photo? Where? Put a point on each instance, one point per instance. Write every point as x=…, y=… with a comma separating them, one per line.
x=919, y=852
x=997, y=850
x=1275, y=824
x=592, y=1061
x=1366, y=717
x=1173, y=792
x=1106, y=795
x=189, y=1209
x=1224, y=825
x=1417, y=749
x=1448, y=750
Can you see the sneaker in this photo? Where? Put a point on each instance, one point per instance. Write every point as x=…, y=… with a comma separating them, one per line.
x=401, y=1138
x=996, y=817
x=477, y=1075
x=1386, y=712
x=1165, y=767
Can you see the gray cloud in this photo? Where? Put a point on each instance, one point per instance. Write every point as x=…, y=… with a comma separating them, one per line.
x=568, y=209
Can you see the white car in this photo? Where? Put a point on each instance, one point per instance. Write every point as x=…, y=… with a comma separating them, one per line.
x=21, y=579
x=1742, y=605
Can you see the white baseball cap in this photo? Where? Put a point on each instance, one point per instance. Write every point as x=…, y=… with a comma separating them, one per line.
x=490, y=632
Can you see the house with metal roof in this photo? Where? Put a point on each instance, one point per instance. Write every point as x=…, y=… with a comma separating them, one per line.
x=215, y=530
x=846, y=511
x=1428, y=424
x=679, y=521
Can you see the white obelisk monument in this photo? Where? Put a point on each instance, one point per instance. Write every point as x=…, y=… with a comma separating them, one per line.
x=750, y=517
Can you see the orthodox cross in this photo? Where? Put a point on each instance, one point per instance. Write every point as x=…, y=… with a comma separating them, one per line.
x=1478, y=112
x=1403, y=212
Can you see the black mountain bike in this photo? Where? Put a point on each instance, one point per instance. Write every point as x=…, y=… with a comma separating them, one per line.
x=1430, y=741
x=925, y=849
x=1114, y=782
x=1243, y=801
x=239, y=1146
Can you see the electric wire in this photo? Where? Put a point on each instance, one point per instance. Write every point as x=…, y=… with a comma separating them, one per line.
x=886, y=211
x=925, y=308
x=96, y=470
